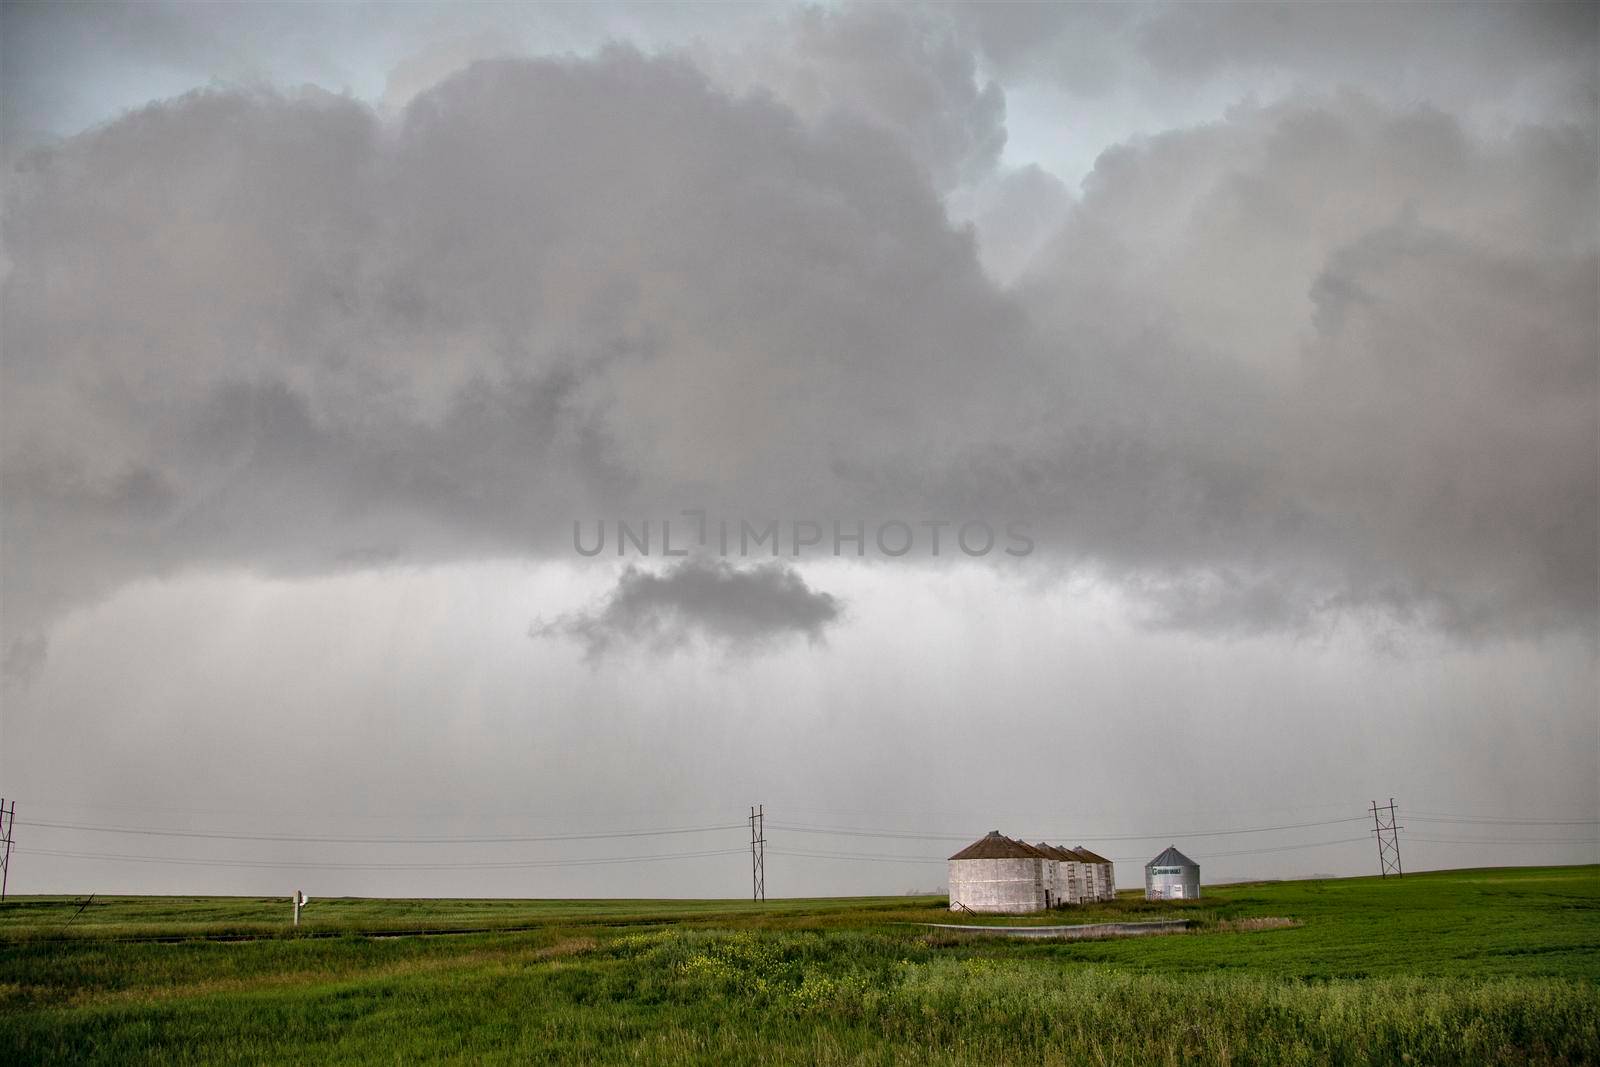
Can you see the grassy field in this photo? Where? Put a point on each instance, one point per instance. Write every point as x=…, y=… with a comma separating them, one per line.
x=1484, y=966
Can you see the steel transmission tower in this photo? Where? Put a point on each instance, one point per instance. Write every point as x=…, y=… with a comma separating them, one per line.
x=758, y=853
x=1388, y=834
x=8, y=823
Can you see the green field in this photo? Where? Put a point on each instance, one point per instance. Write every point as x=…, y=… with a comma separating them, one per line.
x=1483, y=966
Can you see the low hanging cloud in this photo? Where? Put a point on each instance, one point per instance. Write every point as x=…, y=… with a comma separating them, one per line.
x=740, y=609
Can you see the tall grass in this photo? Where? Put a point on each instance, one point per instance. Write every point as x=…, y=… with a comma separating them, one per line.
x=1464, y=969
x=748, y=996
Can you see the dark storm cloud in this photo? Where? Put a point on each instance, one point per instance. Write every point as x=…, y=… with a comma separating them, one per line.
x=552, y=288
x=1322, y=358
x=1326, y=357
x=738, y=608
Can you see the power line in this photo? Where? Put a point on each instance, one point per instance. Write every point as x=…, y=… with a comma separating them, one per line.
x=431, y=813
x=301, y=839
x=917, y=835
x=524, y=864
x=757, y=845
x=793, y=828
x=830, y=854
x=1037, y=815
x=857, y=856
x=619, y=834
x=1509, y=840
x=1270, y=848
x=1488, y=821
x=509, y=865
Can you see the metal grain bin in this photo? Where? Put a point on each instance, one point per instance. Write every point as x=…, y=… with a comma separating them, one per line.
x=1172, y=876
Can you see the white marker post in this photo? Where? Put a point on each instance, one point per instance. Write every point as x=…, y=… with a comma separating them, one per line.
x=300, y=900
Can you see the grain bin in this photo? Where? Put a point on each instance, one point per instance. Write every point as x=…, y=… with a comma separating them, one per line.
x=998, y=874
x=1172, y=876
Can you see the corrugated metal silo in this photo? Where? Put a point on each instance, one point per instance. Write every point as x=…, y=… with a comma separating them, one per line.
x=1172, y=876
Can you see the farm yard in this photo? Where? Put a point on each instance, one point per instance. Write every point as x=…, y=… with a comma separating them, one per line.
x=1498, y=966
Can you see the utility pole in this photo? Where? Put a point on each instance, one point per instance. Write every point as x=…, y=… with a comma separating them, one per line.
x=758, y=853
x=1388, y=833
x=8, y=822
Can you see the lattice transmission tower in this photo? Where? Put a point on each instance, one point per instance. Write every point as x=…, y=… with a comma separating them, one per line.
x=1388, y=834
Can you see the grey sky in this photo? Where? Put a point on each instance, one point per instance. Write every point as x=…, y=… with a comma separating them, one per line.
x=1277, y=327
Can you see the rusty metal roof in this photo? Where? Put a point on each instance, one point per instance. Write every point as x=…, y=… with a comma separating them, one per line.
x=1090, y=857
x=997, y=846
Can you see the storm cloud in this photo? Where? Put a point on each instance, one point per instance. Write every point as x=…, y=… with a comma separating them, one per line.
x=1324, y=358
x=739, y=609
x=1335, y=357
x=316, y=336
